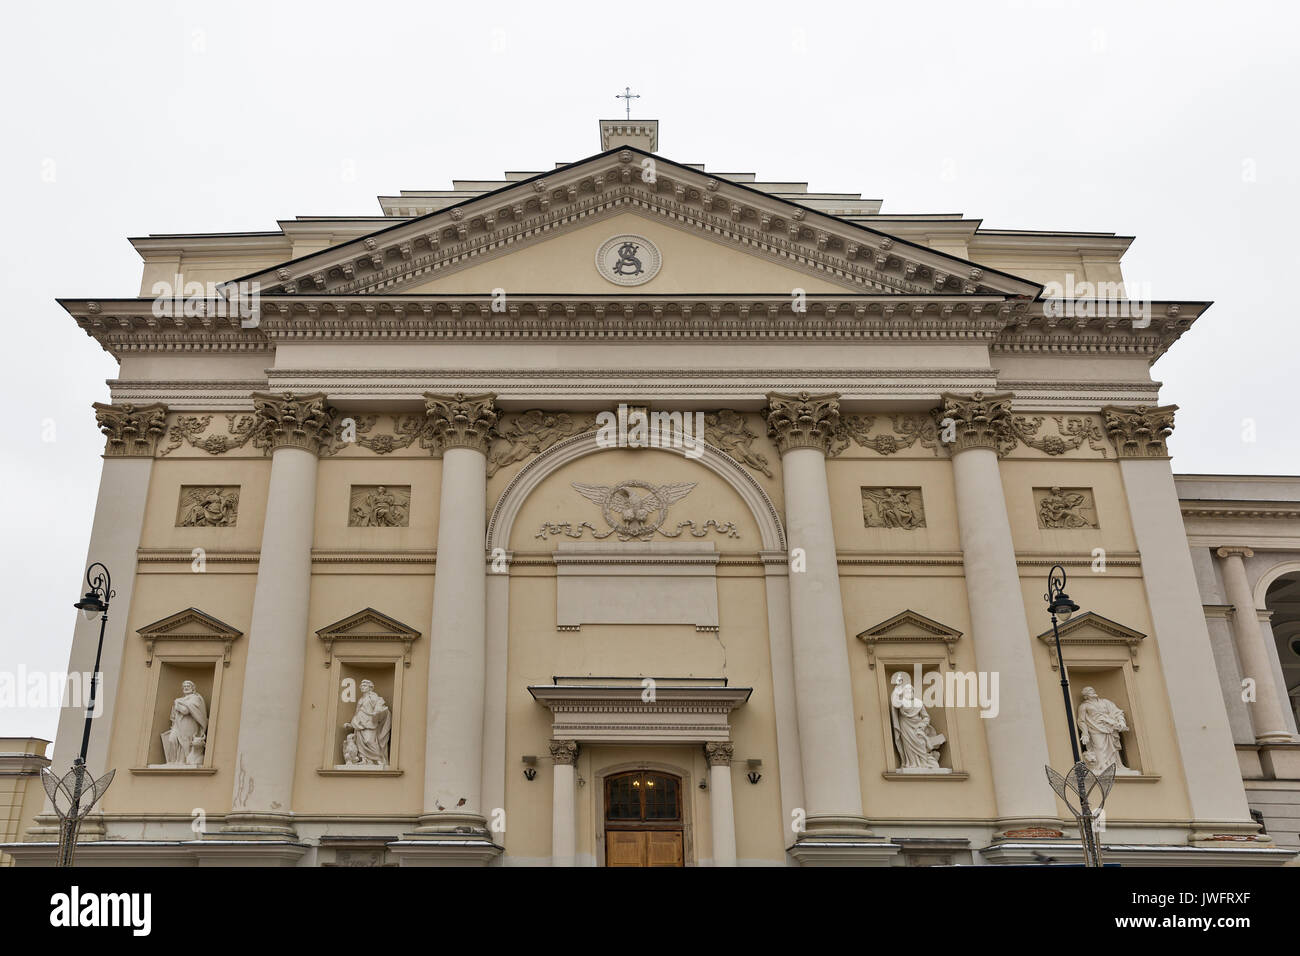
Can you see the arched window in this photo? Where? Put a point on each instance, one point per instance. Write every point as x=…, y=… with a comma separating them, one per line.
x=643, y=797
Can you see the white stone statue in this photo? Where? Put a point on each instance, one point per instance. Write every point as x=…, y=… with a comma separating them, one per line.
x=371, y=725
x=188, y=731
x=1100, y=724
x=915, y=738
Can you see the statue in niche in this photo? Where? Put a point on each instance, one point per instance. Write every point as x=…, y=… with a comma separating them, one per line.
x=371, y=726
x=381, y=508
x=187, y=734
x=915, y=738
x=1061, y=509
x=1100, y=724
x=894, y=508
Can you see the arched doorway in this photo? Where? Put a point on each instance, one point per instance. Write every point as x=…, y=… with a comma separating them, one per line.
x=643, y=819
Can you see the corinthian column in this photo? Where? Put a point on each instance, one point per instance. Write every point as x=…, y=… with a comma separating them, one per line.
x=564, y=803
x=802, y=425
x=453, y=757
x=975, y=427
x=132, y=433
x=1205, y=745
x=1256, y=663
x=723, y=816
x=295, y=427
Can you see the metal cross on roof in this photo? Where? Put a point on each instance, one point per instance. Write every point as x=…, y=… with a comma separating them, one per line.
x=629, y=96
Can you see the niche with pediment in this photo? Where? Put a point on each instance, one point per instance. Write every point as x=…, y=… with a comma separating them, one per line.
x=914, y=649
x=367, y=654
x=187, y=654
x=1103, y=655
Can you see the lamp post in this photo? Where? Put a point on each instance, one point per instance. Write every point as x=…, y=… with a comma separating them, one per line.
x=81, y=790
x=1060, y=605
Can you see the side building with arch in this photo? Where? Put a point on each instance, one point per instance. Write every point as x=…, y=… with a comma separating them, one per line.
x=1244, y=535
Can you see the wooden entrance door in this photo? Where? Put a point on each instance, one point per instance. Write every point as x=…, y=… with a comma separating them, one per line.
x=643, y=819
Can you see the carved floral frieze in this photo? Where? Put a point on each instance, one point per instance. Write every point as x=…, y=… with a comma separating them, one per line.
x=514, y=437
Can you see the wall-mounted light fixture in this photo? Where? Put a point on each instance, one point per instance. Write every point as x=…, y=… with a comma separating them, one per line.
x=753, y=775
x=530, y=766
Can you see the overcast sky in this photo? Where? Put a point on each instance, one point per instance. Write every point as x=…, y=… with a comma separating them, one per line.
x=1174, y=122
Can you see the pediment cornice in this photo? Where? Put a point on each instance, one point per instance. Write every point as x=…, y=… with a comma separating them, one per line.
x=860, y=258
x=370, y=626
x=190, y=624
x=1092, y=629
x=124, y=326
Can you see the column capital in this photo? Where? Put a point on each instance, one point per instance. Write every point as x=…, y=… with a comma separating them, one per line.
x=802, y=421
x=719, y=754
x=460, y=420
x=1231, y=550
x=287, y=420
x=1140, y=431
x=564, y=751
x=132, y=430
x=980, y=420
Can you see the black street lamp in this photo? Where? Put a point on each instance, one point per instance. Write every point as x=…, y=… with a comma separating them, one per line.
x=82, y=791
x=1060, y=606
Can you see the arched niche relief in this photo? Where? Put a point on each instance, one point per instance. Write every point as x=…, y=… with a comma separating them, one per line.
x=501, y=525
x=654, y=519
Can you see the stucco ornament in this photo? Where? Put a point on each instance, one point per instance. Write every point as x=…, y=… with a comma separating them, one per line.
x=1100, y=723
x=531, y=433
x=893, y=508
x=1140, y=432
x=1064, y=508
x=286, y=420
x=635, y=508
x=216, y=507
x=460, y=420
x=977, y=421
x=628, y=260
x=802, y=421
x=132, y=431
x=185, y=741
x=915, y=738
x=371, y=727
x=380, y=506
x=727, y=429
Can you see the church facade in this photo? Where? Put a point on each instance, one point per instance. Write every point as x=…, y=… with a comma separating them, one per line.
x=634, y=514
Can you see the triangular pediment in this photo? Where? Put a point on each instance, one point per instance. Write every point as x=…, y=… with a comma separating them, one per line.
x=190, y=624
x=1090, y=629
x=368, y=624
x=908, y=627
x=371, y=626
x=794, y=241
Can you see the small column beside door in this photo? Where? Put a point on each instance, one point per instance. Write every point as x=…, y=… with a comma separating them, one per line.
x=722, y=817
x=564, y=803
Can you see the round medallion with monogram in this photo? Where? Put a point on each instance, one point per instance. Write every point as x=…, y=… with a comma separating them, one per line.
x=628, y=260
